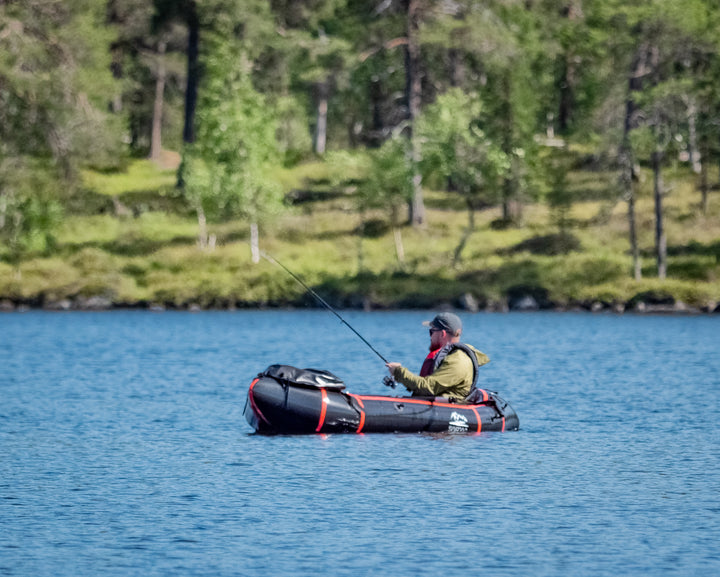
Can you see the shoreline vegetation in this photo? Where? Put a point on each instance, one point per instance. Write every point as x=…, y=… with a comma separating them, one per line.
x=652, y=305
x=393, y=155
x=133, y=245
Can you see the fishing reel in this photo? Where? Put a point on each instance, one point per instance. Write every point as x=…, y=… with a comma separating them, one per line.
x=389, y=382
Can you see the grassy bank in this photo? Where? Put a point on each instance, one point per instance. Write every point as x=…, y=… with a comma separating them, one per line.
x=130, y=240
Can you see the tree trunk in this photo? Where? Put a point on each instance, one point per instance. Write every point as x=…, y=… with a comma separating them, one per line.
x=360, y=254
x=397, y=235
x=660, y=239
x=193, y=72
x=116, y=103
x=321, y=126
x=414, y=95
x=634, y=249
x=568, y=83
x=156, y=140
x=510, y=201
x=254, y=243
x=509, y=216
x=378, y=121
x=656, y=161
x=567, y=94
x=202, y=227
x=457, y=68
x=506, y=212
x=3, y=209
x=704, y=180
x=399, y=248
x=627, y=163
x=627, y=177
x=417, y=214
x=695, y=157
x=457, y=257
x=550, y=126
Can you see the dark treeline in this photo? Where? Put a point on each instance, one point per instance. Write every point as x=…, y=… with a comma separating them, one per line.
x=483, y=98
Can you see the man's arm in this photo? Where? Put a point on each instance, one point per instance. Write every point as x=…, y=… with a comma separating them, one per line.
x=453, y=373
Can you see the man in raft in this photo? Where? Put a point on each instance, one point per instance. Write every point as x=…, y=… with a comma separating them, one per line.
x=448, y=370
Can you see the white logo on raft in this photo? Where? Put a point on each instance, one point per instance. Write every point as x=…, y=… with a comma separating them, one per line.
x=458, y=423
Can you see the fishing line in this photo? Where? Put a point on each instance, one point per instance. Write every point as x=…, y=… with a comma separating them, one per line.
x=272, y=260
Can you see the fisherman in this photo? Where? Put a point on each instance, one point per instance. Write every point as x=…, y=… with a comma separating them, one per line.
x=448, y=370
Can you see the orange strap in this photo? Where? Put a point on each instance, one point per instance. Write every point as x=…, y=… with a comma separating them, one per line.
x=323, y=410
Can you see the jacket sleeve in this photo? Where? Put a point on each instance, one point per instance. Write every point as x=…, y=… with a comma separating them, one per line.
x=451, y=375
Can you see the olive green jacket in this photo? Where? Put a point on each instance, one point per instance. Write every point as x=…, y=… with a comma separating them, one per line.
x=452, y=379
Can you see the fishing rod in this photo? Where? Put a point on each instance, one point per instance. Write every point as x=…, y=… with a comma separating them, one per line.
x=321, y=301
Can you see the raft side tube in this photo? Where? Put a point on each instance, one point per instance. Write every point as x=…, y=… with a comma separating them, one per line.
x=430, y=414
x=276, y=407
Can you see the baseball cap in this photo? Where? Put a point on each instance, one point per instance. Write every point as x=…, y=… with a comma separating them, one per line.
x=445, y=322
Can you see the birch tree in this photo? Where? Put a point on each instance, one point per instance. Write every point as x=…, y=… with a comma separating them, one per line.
x=227, y=170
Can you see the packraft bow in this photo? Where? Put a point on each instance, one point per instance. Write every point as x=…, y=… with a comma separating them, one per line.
x=287, y=400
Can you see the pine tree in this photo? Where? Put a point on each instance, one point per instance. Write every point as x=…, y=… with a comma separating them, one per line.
x=54, y=85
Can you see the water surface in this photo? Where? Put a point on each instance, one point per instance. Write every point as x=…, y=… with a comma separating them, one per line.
x=123, y=450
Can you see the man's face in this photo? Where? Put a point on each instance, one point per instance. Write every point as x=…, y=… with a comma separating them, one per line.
x=437, y=338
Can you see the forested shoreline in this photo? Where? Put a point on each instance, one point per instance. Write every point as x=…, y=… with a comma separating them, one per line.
x=494, y=155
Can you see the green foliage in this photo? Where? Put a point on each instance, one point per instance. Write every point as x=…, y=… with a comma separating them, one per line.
x=344, y=167
x=497, y=79
x=228, y=170
x=294, y=140
x=456, y=151
x=153, y=259
x=54, y=77
x=46, y=278
x=55, y=74
x=29, y=210
x=389, y=181
x=559, y=195
x=511, y=97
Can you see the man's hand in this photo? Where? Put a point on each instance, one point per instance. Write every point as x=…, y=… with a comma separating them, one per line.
x=392, y=366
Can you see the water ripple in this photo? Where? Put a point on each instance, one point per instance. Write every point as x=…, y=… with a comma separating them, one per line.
x=124, y=450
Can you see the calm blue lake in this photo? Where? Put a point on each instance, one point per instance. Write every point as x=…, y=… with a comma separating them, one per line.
x=123, y=450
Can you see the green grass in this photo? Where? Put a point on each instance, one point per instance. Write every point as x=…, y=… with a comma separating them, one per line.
x=153, y=257
x=140, y=176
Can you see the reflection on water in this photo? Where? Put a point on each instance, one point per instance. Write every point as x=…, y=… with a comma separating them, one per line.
x=124, y=450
